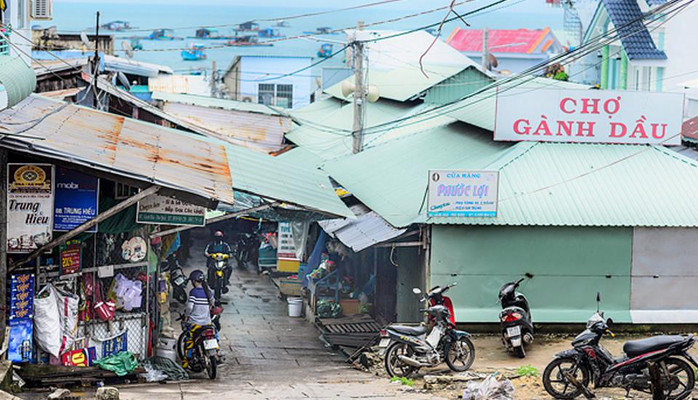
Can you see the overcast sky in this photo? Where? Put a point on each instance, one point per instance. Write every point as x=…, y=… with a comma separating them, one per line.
x=323, y=4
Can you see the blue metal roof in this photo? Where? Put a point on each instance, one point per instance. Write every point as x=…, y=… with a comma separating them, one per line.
x=653, y=3
x=636, y=39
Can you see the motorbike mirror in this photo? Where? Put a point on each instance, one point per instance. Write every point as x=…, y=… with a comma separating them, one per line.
x=417, y=291
x=528, y=275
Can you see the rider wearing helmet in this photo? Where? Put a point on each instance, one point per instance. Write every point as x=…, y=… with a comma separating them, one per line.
x=218, y=245
x=198, y=310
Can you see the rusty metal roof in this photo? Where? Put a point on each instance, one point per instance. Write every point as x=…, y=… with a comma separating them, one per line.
x=118, y=145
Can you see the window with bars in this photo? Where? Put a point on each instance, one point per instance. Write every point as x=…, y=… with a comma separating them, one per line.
x=280, y=95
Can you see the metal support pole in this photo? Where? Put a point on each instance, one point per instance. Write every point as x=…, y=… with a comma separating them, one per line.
x=3, y=241
x=485, y=49
x=214, y=77
x=95, y=67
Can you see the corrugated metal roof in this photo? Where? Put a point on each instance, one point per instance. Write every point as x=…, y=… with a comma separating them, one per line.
x=187, y=84
x=391, y=179
x=256, y=131
x=134, y=67
x=594, y=185
x=17, y=78
x=212, y=102
x=325, y=129
x=479, y=110
x=394, y=63
x=503, y=40
x=299, y=155
x=119, y=145
x=363, y=232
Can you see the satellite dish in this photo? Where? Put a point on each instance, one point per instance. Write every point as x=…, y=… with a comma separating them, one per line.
x=347, y=88
x=123, y=80
x=127, y=48
x=85, y=40
x=373, y=94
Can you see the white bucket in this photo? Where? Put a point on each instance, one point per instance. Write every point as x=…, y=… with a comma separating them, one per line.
x=295, y=307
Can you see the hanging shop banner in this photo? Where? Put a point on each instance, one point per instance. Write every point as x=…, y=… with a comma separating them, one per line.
x=454, y=193
x=76, y=199
x=71, y=257
x=20, y=340
x=29, y=206
x=22, y=296
x=115, y=345
x=79, y=358
x=156, y=209
x=287, y=246
x=589, y=116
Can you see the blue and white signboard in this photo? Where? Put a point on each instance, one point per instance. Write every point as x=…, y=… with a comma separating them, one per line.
x=76, y=199
x=458, y=193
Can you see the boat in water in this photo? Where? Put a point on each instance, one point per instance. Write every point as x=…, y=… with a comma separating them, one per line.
x=323, y=30
x=249, y=26
x=269, y=33
x=116, y=26
x=283, y=24
x=195, y=52
x=325, y=50
x=162, y=34
x=247, y=40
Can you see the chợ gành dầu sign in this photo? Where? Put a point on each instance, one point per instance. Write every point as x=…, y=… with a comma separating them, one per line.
x=589, y=116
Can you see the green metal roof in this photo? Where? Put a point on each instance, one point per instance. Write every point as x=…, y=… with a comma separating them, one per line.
x=212, y=102
x=325, y=126
x=593, y=185
x=301, y=156
x=18, y=79
x=479, y=110
x=391, y=179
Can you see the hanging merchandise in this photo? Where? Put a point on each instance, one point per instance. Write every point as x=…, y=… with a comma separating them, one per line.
x=21, y=296
x=134, y=249
x=46, y=319
x=68, y=312
x=128, y=293
x=113, y=345
x=71, y=257
x=20, y=340
x=79, y=358
x=104, y=308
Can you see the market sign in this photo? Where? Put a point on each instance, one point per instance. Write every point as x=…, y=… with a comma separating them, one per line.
x=589, y=116
x=458, y=193
x=76, y=200
x=29, y=206
x=287, y=245
x=156, y=209
x=71, y=257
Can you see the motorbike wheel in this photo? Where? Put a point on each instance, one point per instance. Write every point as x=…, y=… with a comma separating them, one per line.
x=555, y=382
x=520, y=352
x=181, y=343
x=393, y=365
x=681, y=381
x=460, y=354
x=211, y=366
x=179, y=294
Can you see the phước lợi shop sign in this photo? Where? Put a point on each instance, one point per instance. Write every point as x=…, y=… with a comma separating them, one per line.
x=589, y=116
x=459, y=193
x=156, y=209
x=29, y=206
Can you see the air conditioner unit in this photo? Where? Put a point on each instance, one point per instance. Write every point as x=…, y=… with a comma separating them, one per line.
x=42, y=9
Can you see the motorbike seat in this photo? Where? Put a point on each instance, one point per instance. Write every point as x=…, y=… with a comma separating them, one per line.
x=635, y=348
x=409, y=330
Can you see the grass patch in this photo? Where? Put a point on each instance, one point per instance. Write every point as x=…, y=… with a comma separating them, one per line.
x=405, y=381
x=527, y=370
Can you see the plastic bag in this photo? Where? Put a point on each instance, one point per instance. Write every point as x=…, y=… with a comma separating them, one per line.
x=489, y=389
x=46, y=319
x=68, y=314
x=128, y=293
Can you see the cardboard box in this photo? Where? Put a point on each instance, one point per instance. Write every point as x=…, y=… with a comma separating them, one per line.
x=349, y=306
x=290, y=287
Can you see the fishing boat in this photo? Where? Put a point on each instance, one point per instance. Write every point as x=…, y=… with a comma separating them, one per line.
x=249, y=26
x=162, y=34
x=269, y=33
x=136, y=44
x=116, y=26
x=323, y=30
x=325, y=50
x=246, y=40
x=195, y=52
x=283, y=24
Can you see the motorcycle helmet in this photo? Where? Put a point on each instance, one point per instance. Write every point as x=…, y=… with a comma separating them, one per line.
x=218, y=234
x=196, y=276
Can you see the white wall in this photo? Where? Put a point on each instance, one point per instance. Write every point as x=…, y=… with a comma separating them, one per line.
x=18, y=12
x=255, y=70
x=679, y=33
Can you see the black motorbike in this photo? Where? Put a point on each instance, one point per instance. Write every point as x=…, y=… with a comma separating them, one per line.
x=569, y=374
x=515, y=319
x=177, y=278
x=415, y=347
x=245, y=249
x=205, y=352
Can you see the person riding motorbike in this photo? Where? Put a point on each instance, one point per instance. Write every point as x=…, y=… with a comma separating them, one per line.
x=198, y=311
x=218, y=245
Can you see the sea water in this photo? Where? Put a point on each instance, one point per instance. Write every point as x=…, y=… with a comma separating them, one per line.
x=185, y=18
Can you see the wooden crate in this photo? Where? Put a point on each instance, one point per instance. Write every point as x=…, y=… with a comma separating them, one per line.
x=349, y=306
x=290, y=287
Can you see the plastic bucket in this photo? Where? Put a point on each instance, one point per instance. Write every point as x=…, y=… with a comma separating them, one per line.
x=295, y=307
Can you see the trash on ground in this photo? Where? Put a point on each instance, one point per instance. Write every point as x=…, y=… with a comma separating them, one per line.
x=489, y=389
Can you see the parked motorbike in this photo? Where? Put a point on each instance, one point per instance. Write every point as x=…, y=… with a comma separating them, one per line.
x=569, y=374
x=205, y=351
x=412, y=348
x=177, y=278
x=217, y=275
x=515, y=319
x=245, y=248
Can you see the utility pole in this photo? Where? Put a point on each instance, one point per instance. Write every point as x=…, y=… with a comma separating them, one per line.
x=95, y=66
x=359, y=92
x=485, y=50
x=3, y=239
x=214, y=78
